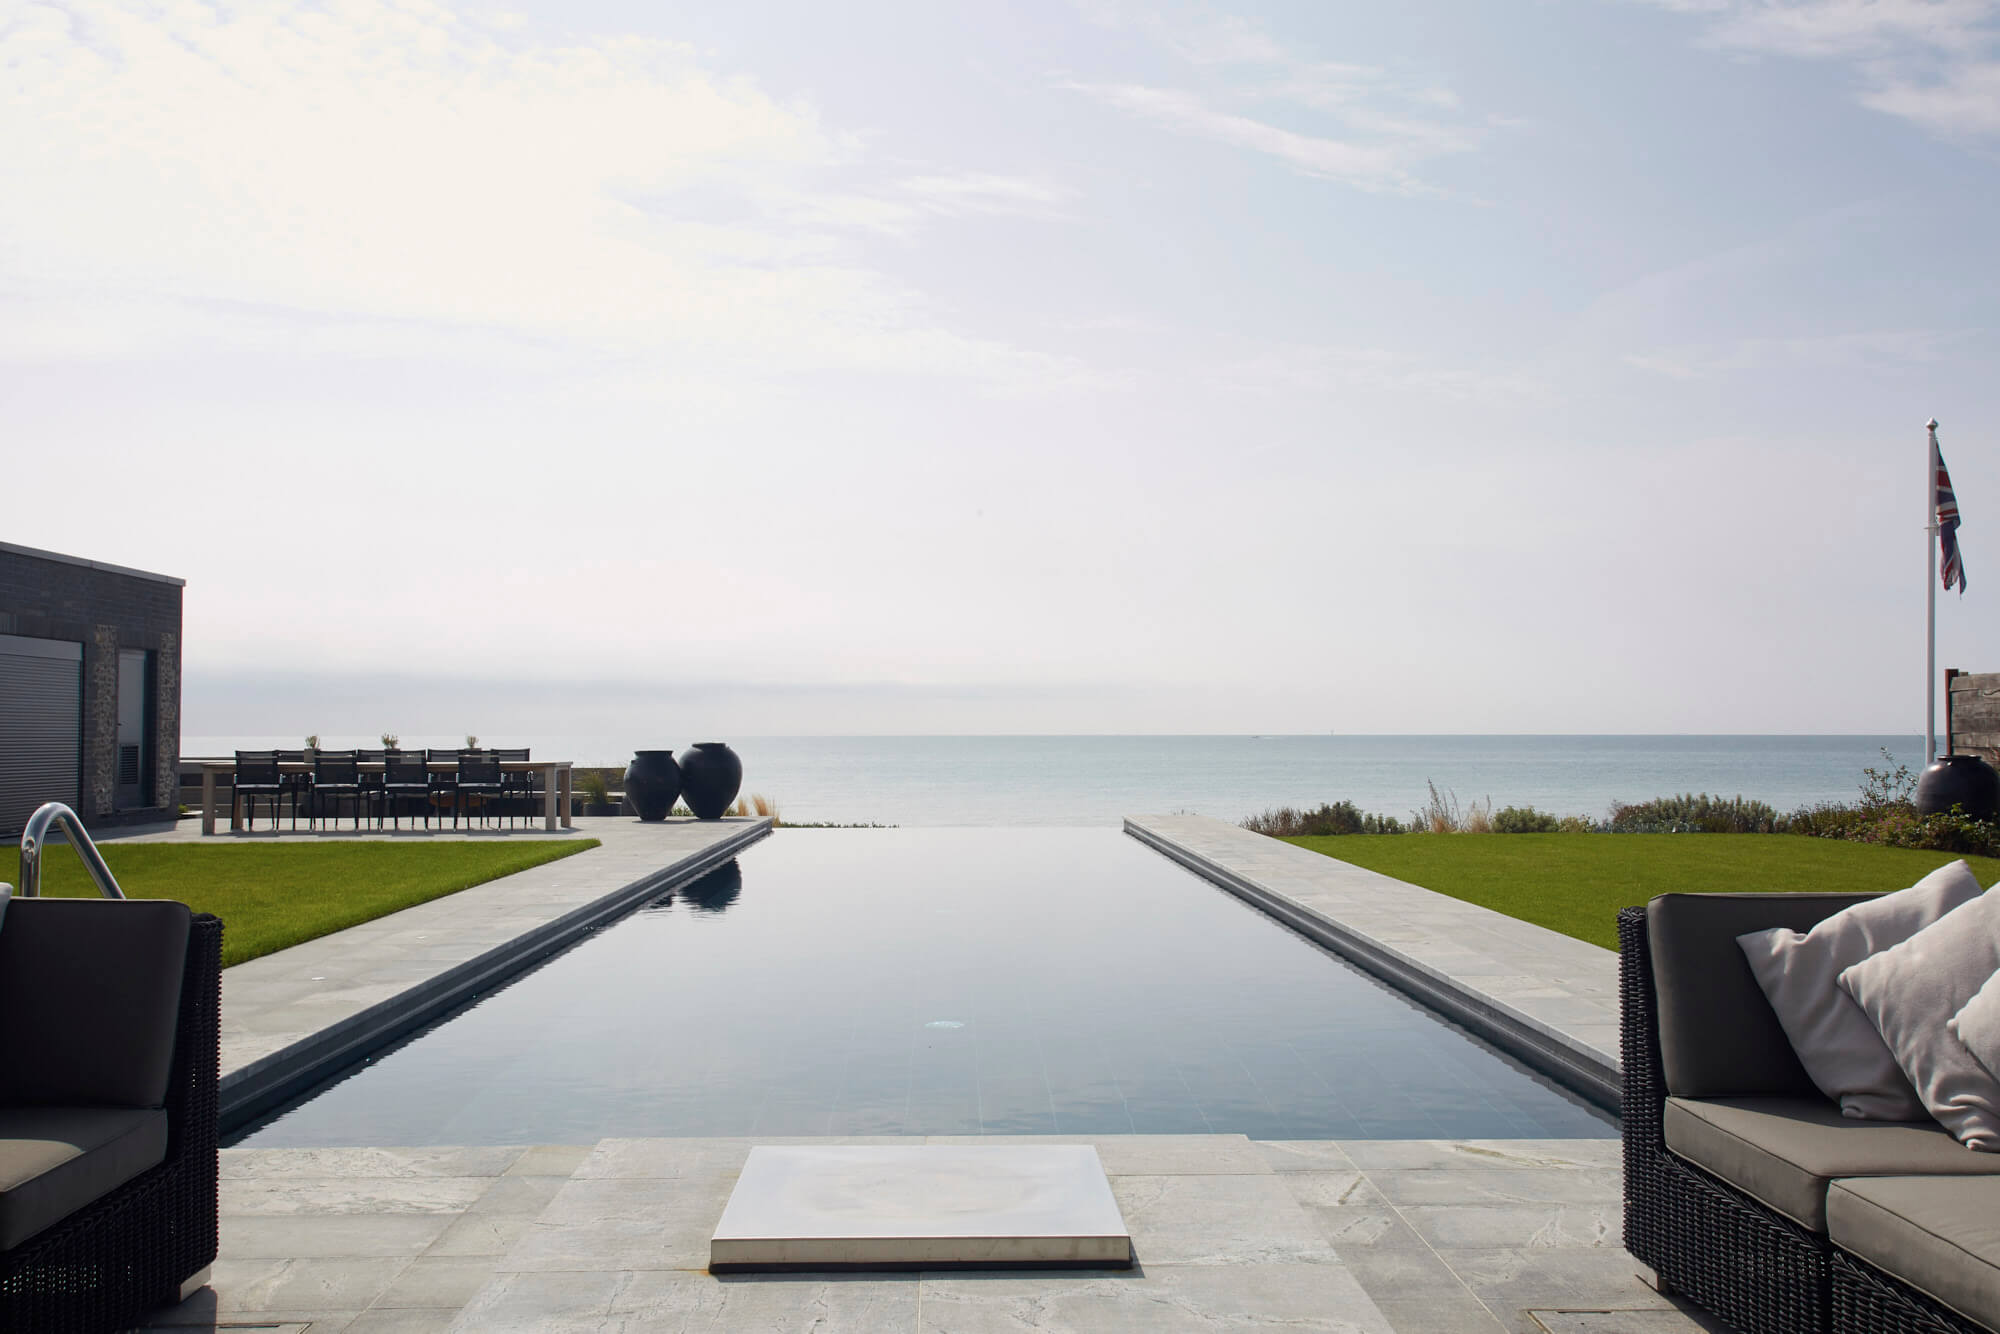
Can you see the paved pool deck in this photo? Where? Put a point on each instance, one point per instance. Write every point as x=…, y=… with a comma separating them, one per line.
x=1364, y=1236
x=1375, y=1236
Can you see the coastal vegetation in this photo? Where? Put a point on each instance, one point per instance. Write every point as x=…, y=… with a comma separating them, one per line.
x=1884, y=814
x=274, y=895
x=1576, y=883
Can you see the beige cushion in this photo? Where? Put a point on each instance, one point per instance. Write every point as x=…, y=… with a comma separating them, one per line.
x=55, y=1160
x=1977, y=1025
x=1835, y=1042
x=1911, y=991
x=1784, y=1151
x=1940, y=1235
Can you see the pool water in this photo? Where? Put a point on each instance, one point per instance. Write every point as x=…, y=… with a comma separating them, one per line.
x=937, y=981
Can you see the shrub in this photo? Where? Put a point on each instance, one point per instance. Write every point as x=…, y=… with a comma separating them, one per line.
x=1524, y=820
x=1340, y=817
x=1693, y=813
x=1576, y=824
x=1887, y=815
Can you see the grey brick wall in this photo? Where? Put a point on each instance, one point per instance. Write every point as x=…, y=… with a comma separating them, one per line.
x=48, y=597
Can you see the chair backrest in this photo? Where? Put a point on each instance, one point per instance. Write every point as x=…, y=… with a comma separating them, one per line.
x=91, y=989
x=512, y=756
x=1719, y=1036
x=335, y=766
x=406, y=769
x=372, y=756
x=257, y=768
x=478, y=766
x=290, y=756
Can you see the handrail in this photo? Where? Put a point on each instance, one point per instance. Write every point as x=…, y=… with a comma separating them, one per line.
x=36, y=835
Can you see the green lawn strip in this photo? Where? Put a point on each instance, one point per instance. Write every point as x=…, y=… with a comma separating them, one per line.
x=1576, y=883
x=274, y=895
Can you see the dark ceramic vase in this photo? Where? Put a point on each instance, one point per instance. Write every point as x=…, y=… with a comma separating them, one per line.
x=1965, y=781
x=652, y=783
x=711, y=776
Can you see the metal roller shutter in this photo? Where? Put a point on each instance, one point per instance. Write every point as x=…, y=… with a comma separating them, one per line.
x=41, y=726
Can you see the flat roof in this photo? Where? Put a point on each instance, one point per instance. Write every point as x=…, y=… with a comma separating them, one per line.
x=93, y=564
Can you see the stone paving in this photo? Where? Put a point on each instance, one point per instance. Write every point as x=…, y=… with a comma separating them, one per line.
x=1369, y=1236
x=1563, y=988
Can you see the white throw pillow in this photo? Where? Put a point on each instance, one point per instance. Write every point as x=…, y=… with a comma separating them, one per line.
x=1978, y=1026
x=1911, y=992
x=1835, y=1042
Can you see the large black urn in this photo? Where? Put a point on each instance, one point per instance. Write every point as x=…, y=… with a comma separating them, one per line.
x=711, y=776
x=652, y=783
x=1965, y=781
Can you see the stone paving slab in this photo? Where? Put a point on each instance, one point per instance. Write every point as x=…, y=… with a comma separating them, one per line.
x=1371, y=1237
x=1549, y=997
x=290, y=1016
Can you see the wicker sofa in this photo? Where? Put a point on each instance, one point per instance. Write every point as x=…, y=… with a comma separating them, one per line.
x=109, y=1056
x=1746, y=1191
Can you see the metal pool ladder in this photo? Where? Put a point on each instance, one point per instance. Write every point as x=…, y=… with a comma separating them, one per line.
x=35, y=837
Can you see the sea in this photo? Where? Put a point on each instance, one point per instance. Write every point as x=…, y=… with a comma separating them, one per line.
x=1097, y=780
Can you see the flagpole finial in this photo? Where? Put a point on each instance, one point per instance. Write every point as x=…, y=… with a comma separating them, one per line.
x=1931, y=425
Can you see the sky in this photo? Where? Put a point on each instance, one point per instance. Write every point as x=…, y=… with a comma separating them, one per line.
x=778, y=367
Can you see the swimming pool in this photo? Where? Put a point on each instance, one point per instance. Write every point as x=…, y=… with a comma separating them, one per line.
x=937, y=981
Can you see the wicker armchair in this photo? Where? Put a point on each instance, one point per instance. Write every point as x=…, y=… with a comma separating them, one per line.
x=1709, y=1241
x=139, y=1244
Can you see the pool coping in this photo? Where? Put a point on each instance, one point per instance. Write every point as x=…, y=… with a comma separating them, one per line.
x=1573, y=1040
x=268, y=1080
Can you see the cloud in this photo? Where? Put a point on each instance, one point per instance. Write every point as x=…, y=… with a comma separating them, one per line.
x=391, y=161
x=1379, y=126
x=1933, y=62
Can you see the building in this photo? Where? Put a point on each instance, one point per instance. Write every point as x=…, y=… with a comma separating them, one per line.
x=90, y=689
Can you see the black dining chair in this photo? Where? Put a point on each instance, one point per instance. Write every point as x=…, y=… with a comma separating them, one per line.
x=479, y=780
x=371, y=779
x=517, y=784
x=406, y=776
x=444, y=782
x=335, y=778
x=258, y=775
x=296, y=774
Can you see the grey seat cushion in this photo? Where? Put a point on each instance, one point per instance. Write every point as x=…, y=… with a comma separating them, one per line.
x=1784, y=1151
x=91, y=989
x=55, y=1160
x=1940, y=1235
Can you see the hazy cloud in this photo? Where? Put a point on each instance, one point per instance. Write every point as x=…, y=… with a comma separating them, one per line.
x=1377, y=126
x=390, y=160
x=1933, y=62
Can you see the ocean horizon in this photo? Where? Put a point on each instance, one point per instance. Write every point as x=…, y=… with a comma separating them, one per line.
x=1096, y=780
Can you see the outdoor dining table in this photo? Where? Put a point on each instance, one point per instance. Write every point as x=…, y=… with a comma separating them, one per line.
x=555, y=786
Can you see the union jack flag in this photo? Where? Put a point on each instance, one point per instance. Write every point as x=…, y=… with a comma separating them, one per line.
x=1950, y=565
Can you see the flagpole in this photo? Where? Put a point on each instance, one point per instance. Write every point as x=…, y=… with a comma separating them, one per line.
x=1930, y=606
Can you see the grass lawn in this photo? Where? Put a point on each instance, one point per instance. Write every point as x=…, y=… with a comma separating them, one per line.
x=1576, y=883
x=273, y=895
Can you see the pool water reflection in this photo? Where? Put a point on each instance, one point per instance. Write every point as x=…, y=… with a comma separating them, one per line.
x=938, y=981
